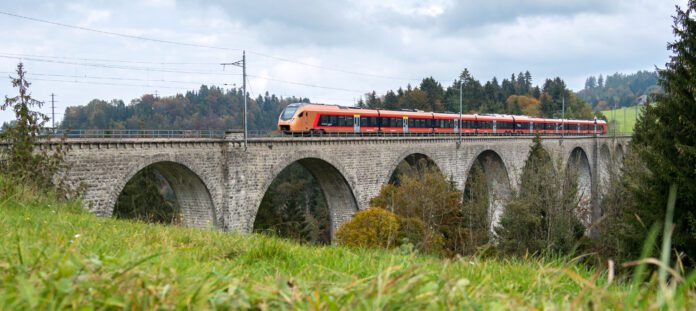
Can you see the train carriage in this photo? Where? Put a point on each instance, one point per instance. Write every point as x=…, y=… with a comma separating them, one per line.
x=319, y=119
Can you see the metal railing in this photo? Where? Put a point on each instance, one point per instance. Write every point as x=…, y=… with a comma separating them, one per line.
x=267, y=134
x=215, y=134
x=116, y=133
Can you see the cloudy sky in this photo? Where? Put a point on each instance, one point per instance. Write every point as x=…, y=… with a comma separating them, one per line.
x=329, y=51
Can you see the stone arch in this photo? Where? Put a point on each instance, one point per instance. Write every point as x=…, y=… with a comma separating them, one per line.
x=579, y=164
x=192, y=195
x=337, y=190
x=413, y=159
x=498, y=183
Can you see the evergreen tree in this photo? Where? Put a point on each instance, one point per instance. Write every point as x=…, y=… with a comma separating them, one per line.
x=21, y=160
x=541, y=218
x=665, y=136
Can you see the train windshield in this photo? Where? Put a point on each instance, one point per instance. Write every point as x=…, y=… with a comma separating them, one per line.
x=289, y=112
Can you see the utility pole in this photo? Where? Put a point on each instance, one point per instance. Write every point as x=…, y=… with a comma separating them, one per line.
x=624, y=122
x=461, y=88
x=562, y=116
x=613, y=114
x=53, y=112
x=241, y=63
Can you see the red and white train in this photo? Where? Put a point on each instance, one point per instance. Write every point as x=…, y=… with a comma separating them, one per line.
x=319, y=119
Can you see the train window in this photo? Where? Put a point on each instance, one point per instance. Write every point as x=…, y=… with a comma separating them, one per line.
x=349, y=121
x=341, y=121
x=374, y=121
x=399, y=122
x=363, y=121
x=410, y=122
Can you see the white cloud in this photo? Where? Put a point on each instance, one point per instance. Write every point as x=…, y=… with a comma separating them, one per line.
x=406, y=38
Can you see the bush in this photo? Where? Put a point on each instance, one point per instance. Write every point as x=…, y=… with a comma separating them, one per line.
x=425, y=198
x=373, y=227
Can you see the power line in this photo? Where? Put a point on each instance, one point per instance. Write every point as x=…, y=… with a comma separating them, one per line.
x=204, y=46
x=166, y=81
x=108, y=60
x=105, y=83
x=186, y=72
x=117, y=34
x=120, y=66
x=307, y=84
x=111, y=78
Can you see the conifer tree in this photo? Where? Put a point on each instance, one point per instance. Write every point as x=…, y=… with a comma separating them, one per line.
x=665, y=136
x=22, y=160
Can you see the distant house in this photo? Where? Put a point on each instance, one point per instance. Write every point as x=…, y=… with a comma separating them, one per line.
x=642, y=100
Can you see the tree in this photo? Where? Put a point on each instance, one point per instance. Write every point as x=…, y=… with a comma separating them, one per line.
x=294, y=207
x=475, y=219
x=541, y=217
x=22, y=160
x=665, y=136
x=145, y=199
x=434, y=93
x=426, y=195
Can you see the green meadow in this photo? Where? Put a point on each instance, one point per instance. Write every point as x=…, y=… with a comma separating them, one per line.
x=56, y=256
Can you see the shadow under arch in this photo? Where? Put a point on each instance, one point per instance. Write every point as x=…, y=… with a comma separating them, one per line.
x=579, y=166
x=497, y=182
x=604, y=166
x=412, y=163
x=337, y=191
x=193, y=200
x=619, y=154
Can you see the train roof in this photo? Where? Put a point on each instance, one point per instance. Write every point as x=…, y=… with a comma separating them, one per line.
x=421, y=113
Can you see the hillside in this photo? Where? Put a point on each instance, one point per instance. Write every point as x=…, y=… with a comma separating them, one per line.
x=619, y=90
x=54, y=256
x=625, y=118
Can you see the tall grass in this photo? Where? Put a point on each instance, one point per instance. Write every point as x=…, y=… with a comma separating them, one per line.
x=54, y=256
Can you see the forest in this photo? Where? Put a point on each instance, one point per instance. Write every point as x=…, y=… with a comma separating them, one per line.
x=216, y=108
x=619, y=90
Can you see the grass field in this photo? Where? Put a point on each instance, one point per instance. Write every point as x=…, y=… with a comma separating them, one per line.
x=627, y=113
x=54, y=256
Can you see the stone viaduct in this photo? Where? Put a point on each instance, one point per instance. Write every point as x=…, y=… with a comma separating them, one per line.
x=220, y=183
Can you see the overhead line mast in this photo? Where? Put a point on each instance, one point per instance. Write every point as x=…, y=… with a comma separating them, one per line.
x=242, y=63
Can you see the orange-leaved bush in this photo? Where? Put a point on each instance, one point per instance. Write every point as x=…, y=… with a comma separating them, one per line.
x=373, y=227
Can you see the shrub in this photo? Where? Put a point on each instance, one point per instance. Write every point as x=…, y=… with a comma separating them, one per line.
x=373, y=227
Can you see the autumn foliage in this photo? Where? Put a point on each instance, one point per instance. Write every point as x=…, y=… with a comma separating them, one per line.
x=373, y=227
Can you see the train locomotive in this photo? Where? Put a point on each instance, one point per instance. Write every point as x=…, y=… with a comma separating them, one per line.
x=319, y=119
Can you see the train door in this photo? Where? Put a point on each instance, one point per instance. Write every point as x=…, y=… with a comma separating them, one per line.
x=456, y=125
x=405, y=125
x=579, y=126
x=531, y=127
x=495, y=126
x=595, y=125
x=356, y=123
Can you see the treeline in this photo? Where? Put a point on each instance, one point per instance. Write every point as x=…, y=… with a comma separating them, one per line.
x=215, y=108
x=516, y=95
x=619, y=90
x=209, y=108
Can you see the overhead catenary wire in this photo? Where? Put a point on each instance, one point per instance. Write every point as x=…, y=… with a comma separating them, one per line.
x=188, y=44
x=107, y=60
x=151, y=69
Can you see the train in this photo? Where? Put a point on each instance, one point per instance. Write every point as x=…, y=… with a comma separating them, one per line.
x=319, y=119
